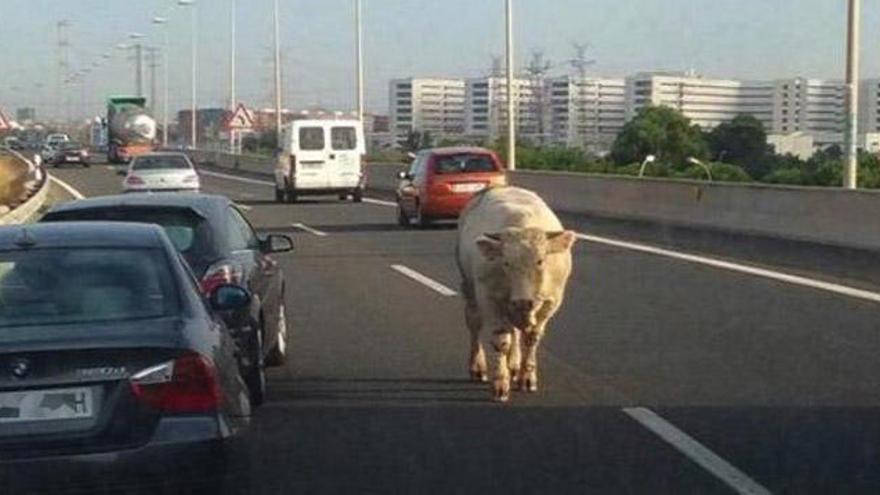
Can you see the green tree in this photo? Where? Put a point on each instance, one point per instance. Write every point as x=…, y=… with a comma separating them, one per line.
x=660, y=131
x=742, y=142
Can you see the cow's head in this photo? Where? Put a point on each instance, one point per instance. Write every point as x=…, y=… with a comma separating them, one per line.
x=522, y=257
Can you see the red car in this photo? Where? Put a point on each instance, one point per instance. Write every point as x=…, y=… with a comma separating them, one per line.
x=441, y=181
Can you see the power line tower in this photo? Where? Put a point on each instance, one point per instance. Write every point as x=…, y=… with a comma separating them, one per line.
x=537, y=71
x=580, y=62
x=62, y=31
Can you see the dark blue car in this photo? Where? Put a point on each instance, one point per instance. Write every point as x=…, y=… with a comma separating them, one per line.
x=113, y=368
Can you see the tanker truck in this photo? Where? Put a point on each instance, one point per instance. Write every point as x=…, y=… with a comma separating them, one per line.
x=130, y=130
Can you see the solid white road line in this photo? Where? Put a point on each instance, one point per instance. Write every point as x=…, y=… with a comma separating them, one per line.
x=67, y=187
x=696, y=451
x=424, y=280
x=306, y=228
x=239, y=179
x=379, y=202
x=736, y=267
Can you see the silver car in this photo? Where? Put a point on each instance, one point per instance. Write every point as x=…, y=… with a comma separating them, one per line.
x=161, y=172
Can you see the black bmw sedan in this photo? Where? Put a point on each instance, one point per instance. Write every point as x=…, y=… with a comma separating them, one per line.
x=113, y=368
x=222, y=247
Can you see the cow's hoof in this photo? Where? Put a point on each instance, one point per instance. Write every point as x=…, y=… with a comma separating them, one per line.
x=501, y=391
x=530, y=383
x=479, y=377
x=515, y=377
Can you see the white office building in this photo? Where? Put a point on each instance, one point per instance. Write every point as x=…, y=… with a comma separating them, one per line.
x=810, y=106
x=585, y=112
x=486, y=108
x=422, y=104
x=706, y=102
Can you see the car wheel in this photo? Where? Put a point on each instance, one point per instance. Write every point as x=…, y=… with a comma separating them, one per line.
x=423, y=221
x=279, y=195
x=255, y=375
x=278, y=355
x=358, y=196
x=86, y=165
x=291, y=197
x=402, y=219
x=343, y=197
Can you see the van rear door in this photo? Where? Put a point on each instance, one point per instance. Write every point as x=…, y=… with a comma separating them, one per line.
x=312, y=152
x=346, y=144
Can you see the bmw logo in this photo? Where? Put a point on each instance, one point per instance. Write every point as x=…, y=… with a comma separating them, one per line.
x=20, y=367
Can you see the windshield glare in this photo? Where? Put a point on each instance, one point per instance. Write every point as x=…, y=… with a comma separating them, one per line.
x=73, y=286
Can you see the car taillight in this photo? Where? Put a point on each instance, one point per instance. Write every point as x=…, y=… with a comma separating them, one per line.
x=134, y=180
x=218, y=275
x=185, y=385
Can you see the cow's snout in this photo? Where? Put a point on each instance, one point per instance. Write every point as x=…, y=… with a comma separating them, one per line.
x=522, y=313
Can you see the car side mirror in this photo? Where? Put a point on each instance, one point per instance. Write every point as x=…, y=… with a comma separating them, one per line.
x=277, y=243
x=229, y=298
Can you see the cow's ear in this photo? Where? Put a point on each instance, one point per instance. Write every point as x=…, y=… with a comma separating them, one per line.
x=490, y=246
x=559, y=242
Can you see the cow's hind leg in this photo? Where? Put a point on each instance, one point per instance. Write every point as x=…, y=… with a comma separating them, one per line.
x=477, y=362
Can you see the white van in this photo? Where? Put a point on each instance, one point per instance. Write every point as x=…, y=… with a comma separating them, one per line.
x=321, y=157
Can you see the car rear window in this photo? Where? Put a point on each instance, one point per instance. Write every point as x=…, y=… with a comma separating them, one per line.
x=84, y=285
x=343, y=138
x=161, y=163
x=311, y=138
x=188, y=231
x=468, y=163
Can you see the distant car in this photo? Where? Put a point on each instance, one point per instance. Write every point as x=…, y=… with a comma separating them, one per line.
x=13, y=143
x=69, y=152
x=161, y=172
x=57, y=139
x=222, y=248
x=47, y=153
x=321, y=157
x=111, y=362
x=441, y=181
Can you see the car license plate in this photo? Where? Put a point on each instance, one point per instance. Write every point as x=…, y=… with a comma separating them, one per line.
x=46, y=405
x=73, y=158
x=469, y=187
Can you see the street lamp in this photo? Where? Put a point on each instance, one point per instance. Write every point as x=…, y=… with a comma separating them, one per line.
x=163, y=21
x=705, y=167
x=232, y=98
x=359, y=59
x=277, y=78
x=192, y=5
x=648, y=159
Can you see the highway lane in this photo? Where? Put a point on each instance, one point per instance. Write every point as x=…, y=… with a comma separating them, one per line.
x=778, y=380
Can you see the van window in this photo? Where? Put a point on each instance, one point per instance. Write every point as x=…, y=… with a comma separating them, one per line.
x=311, y=138
x=343, y=138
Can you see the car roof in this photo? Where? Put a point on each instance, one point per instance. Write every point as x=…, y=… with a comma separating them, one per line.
x=81, y=234
x=455, y=150
x=203, y=204
x=162, y=153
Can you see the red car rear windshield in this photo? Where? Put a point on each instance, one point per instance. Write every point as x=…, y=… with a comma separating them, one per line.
x=467, y=163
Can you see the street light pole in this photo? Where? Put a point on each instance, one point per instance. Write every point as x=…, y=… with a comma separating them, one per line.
x=193, y=109
x=850, y=176
x=359, y=39
x=164, y=23
x=232, y=99
x=511, y=107
x=277, y=79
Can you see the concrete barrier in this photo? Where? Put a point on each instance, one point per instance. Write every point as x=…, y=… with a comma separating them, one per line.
x=823, y=215
x=28, y=191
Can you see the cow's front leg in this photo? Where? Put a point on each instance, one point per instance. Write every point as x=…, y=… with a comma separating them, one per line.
x=477, y=361
x=502, y=341
x=514, y=360
x=530, y=358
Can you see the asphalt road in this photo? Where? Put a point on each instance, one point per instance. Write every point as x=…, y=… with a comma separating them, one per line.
x=659, y=375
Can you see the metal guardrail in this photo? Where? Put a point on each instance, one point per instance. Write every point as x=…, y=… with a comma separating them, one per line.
x=37, y=190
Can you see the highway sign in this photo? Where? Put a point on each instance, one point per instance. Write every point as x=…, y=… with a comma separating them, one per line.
x=241, y=119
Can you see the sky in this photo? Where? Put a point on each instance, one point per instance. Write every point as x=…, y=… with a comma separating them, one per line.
x=750, y=39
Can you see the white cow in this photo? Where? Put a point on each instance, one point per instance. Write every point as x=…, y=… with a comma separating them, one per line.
x=515, y=259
